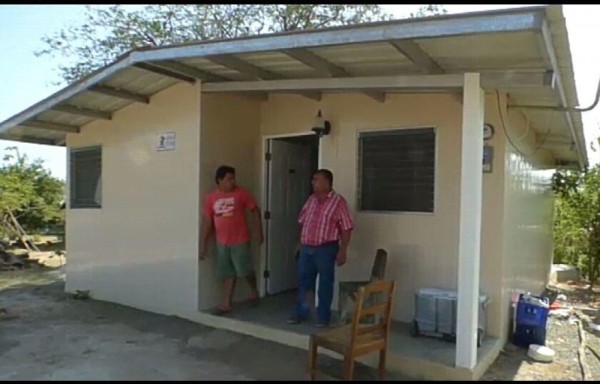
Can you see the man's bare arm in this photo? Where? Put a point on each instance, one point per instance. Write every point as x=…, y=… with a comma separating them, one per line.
x=207, y=230
x=258, y=225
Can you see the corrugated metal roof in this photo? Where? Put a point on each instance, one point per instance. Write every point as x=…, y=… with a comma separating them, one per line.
x=514, y=50
x=502, y=42
x=139, y=81
x=97, y=101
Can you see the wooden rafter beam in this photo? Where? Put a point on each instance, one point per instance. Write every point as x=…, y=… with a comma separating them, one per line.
x=79, y=111
x=189, y=70
x=50, y=126
x=120, y=93
x=244, y=67
x=165, y=72
x=319, y=64
x=413, y=52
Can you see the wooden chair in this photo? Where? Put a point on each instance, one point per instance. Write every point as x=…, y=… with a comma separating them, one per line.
x=349, y=289
x=355, y=340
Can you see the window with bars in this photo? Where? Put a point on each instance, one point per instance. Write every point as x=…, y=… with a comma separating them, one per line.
x=397, y=170
x=85, y=177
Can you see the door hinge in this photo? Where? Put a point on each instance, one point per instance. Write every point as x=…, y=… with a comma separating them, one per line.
x=267, y=215
x=268, y=156
x=266, y=274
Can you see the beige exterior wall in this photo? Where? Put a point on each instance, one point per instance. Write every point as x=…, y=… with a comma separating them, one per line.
x=422, y=248
x=230, y=132
x=140, y=249
x=528, y=214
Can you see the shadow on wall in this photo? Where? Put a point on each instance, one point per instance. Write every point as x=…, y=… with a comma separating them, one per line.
x=403, y=268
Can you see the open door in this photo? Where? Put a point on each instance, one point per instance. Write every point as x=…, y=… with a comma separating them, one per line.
x=289, y=184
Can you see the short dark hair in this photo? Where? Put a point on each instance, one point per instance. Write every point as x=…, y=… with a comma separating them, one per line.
x=222, y=171
x=326, y=173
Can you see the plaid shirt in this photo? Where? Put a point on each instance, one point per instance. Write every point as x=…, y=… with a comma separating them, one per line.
x=323, y=221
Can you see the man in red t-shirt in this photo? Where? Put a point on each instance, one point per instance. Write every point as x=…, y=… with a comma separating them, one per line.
x=225, y=211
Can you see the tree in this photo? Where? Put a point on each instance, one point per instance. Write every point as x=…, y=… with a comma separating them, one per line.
x=107, y=33
x=429, y=10
x=577, y=220
x=30, y=197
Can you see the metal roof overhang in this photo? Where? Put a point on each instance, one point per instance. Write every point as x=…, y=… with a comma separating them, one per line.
x=523, y=52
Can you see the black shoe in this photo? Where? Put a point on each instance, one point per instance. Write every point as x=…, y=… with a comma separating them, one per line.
x=294, y=319
x=322, y=324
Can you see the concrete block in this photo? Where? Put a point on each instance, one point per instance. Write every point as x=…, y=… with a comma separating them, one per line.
x=561, y=273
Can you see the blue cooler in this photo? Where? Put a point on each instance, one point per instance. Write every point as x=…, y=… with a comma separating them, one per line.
x=531, y=320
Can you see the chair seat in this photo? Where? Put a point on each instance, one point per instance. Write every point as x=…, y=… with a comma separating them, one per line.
x=338, y=339
x=351, y=286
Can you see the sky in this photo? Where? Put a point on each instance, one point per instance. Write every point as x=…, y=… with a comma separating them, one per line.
x=27, y=79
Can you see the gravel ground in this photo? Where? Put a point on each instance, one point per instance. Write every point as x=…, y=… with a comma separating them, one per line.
x=513, y=364
x=166, y=346
x=47, y=335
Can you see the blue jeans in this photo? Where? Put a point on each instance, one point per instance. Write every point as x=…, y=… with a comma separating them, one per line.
x=316, y=260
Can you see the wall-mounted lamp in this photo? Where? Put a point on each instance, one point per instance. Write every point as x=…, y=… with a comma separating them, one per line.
x=321, y=126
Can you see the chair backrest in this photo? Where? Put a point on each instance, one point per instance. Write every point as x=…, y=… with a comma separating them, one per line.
x=378, y=271
x=383, y=307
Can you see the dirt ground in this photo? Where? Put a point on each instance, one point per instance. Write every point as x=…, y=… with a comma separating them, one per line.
x=513, y=364
x=48, y=335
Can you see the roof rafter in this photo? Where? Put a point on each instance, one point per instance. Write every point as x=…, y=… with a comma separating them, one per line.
x=73, y=110
x=51, y=126
x=120, y=93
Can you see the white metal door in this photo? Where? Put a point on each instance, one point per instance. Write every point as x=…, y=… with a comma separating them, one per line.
x=289, y=185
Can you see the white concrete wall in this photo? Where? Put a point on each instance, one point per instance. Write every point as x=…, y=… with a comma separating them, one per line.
x=492, y=218
x=140, y=249
x=528, y=215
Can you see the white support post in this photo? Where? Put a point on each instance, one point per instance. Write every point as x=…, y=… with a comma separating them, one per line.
x=470, y=221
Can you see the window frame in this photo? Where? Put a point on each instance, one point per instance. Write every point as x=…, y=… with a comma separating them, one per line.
x=72, y=176
x=358, y=163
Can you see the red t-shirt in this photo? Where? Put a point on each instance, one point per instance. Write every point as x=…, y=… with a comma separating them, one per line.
x=228, y=210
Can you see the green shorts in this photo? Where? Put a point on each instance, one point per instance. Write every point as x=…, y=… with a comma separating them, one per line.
x=234, y=260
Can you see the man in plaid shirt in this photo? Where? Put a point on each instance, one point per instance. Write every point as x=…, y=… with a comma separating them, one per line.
x=326, y=228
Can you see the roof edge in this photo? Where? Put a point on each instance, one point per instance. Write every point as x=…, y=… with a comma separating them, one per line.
x=95, y=77
x=394, y=22
x=525, y=18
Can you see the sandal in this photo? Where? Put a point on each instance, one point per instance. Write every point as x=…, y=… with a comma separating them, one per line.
x=253, y=300
x=222, y=310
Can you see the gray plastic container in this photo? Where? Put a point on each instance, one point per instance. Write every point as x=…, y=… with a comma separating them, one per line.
x=435, y=313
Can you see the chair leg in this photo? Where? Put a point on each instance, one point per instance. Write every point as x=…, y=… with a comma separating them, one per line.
x=312, y=359
x=348, y=368
x=382, y=356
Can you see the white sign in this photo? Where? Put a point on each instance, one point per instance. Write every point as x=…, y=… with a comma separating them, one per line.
x=166, y=142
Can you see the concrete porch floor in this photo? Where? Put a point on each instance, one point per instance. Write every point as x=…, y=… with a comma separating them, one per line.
x=426, y=358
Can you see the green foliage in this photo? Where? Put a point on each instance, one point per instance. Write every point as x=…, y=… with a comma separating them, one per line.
x=577, y=220
x=107, y=33
x=29, y=192
x=429, y=10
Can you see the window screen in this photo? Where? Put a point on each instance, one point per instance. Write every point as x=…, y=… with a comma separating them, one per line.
x=397, y=170
x=85, y=177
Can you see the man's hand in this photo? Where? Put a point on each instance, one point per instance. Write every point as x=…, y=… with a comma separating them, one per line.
x=204, y=252
x=341, y=257
x=260, y=238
